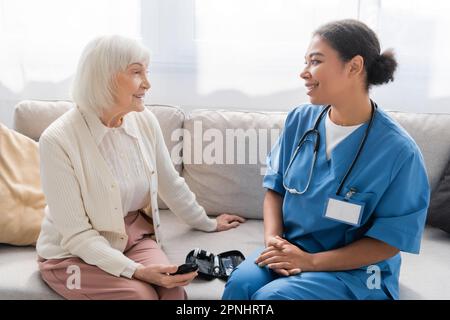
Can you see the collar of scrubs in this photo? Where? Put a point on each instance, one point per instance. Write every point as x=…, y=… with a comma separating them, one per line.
x=343, y=153
x=99, y=130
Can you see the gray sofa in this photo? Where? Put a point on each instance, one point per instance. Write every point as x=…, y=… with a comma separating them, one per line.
x=233, y=184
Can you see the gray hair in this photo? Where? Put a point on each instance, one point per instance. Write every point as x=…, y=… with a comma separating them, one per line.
x=94, y=85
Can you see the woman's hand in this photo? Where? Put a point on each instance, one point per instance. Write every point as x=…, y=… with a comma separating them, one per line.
x=158, y=274
x=228, y=221
x=285, y=258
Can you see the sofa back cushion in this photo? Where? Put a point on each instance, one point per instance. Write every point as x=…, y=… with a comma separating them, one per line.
x=236, y=187
x=32, y=117
x=431, y=132
x=224, y=156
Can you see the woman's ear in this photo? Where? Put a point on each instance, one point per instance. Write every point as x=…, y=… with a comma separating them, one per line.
x=356, y=66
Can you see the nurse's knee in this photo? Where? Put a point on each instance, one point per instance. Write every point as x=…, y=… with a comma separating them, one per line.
x=244, y=281
x=269, y=294
x=235, y=285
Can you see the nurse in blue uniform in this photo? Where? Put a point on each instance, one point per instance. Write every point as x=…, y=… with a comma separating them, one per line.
x=347, y=188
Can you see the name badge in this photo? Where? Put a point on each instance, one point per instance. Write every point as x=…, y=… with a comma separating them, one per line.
x=344, y=209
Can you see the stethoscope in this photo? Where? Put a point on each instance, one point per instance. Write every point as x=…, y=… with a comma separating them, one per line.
x=315, y=132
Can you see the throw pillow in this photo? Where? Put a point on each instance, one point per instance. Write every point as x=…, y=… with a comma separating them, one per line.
x=22, y=201
x=439, y=210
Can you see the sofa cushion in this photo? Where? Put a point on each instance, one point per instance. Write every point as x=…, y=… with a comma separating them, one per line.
x=430, y=132
x=171, y=121
x=422, y=276
x=26, y=112
x=32, y=117
x=224, y=156
x=425, y=276
x=180, y=239
x=19, y=275
x=22, y=201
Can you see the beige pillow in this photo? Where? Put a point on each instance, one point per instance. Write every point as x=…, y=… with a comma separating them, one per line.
x=22, y=201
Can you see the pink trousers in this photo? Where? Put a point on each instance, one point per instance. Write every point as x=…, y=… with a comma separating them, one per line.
x=97, y=284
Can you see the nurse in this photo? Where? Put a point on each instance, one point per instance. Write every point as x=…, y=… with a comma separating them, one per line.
x=346, y=186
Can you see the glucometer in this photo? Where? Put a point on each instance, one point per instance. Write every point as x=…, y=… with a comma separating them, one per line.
x=212, y=266
x=186, y=268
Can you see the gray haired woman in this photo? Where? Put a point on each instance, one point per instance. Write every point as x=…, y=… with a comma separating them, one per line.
x=102, y=165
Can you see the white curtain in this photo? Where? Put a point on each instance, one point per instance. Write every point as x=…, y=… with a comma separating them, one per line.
x=244, y=54
x=418, y=30
x=248, y=54
x=257, y=46
x=42, y=40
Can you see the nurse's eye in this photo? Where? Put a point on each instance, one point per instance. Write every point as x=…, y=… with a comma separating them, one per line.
x=313, y=62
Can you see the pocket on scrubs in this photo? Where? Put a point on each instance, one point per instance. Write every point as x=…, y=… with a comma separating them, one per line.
x=368, y=198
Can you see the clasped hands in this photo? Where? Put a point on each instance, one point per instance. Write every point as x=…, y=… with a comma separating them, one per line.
x=284, y=258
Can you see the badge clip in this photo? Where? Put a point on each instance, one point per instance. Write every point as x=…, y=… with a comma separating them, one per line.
x=349, y=194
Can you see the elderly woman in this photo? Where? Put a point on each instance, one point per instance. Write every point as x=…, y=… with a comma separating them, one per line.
x=102, y=165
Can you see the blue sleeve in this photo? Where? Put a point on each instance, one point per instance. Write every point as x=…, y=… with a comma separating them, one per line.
x=274, y=175
x=399, y=217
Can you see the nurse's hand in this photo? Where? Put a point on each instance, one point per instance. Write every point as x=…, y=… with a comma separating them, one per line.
x=228, y=221
x=284, y=258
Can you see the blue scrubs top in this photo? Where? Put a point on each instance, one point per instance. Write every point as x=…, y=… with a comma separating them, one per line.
x=389, y=176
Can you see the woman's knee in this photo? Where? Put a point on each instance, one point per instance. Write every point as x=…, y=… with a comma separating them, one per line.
x=138, y=290
x=177, y=293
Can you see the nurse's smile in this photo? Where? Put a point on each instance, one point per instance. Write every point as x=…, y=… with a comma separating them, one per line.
x=310, y=87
